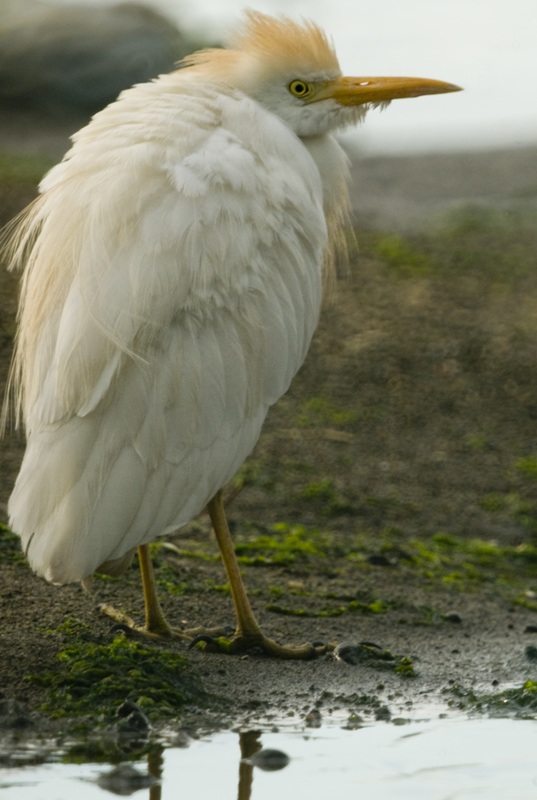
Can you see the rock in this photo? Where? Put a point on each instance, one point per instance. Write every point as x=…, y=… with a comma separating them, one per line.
x=125, y=780
x=313, y=718
x=14, y=715
x=81, y=57
x=366, y=653
x=132, y=719
x=350, y=653
x=270, y=760
x=379, y=560
x=453, y=617
x=531, y=653
x=383, y=714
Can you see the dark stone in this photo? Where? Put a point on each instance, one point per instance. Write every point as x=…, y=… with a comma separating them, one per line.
x=14, y=715
x=453, y=617
x=270, y=760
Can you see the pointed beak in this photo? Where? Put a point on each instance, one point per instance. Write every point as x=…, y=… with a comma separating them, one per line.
x=356, y=91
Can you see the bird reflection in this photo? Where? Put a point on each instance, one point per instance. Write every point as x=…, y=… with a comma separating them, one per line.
x=155, y=763
x=125, y=779
x=250, y=743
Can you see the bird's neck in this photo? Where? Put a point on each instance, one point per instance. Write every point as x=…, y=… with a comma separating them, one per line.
x=333, y=165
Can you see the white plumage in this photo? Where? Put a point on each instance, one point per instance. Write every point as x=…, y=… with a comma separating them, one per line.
x=173, y=281
x=190, y=294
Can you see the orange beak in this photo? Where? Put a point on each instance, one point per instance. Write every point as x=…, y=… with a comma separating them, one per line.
x=356, y=91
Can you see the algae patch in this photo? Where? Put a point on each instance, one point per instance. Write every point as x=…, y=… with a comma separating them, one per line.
x=519, y=702
x=95, y=677
x=282, y=546
x=467, y=564
x=10, y=548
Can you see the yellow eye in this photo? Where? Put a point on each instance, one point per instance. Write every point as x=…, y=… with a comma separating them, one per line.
x=300, y=88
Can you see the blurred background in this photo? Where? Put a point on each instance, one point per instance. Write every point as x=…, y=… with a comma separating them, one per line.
x=77, y=54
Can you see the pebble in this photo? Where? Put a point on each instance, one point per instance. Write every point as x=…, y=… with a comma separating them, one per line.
x=313, y=718
x=531, y=652
x=350, y=653
x=453, y=617
x=125, y=780
x=270, y=760
x=132, y=719
x=377, y=560
x=383, y=714
x=14, y=714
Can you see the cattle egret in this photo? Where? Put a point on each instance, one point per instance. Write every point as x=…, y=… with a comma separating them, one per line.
x=173, y=272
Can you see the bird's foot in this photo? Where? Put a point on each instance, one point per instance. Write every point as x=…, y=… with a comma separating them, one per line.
x=159, y=630
x=122, y=622
x=215, y=640
x=242, y=643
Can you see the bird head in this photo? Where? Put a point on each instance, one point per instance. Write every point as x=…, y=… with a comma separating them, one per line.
x=292, y=70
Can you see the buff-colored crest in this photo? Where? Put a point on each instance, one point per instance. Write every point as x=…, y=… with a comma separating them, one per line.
x=286, y=44
x=286, y=41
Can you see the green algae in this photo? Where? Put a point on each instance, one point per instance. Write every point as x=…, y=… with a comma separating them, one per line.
x=519, y=702
x=283, y=545
x=527, y=466
x=401, y=255
x=286, y=611
x=466, y=564
x=327, y=498
x=95, y=676
x=342, y=605
x=10, y=546
x=405, y=667
x=320, y=411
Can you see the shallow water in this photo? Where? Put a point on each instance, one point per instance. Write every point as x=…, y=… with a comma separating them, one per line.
x=453, y=758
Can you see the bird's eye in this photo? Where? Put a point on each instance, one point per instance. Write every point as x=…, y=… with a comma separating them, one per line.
x=300, y=89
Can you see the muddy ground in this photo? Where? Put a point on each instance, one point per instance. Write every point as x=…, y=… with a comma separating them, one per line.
x=392, y=497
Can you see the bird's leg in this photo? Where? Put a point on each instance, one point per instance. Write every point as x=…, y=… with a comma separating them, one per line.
x=248, y=634
x=156, y=624
x=155, y=621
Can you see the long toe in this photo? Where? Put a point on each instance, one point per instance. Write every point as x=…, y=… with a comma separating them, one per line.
x=244, y=643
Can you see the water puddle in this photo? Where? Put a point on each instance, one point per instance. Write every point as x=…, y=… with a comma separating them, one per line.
x=452, y=759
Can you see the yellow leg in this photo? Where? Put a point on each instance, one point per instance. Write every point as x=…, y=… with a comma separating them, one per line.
x=155, y=621
x=156, y=625
x=248, y=634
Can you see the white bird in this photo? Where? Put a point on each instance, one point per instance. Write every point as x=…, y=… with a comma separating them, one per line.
x=173, y=275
